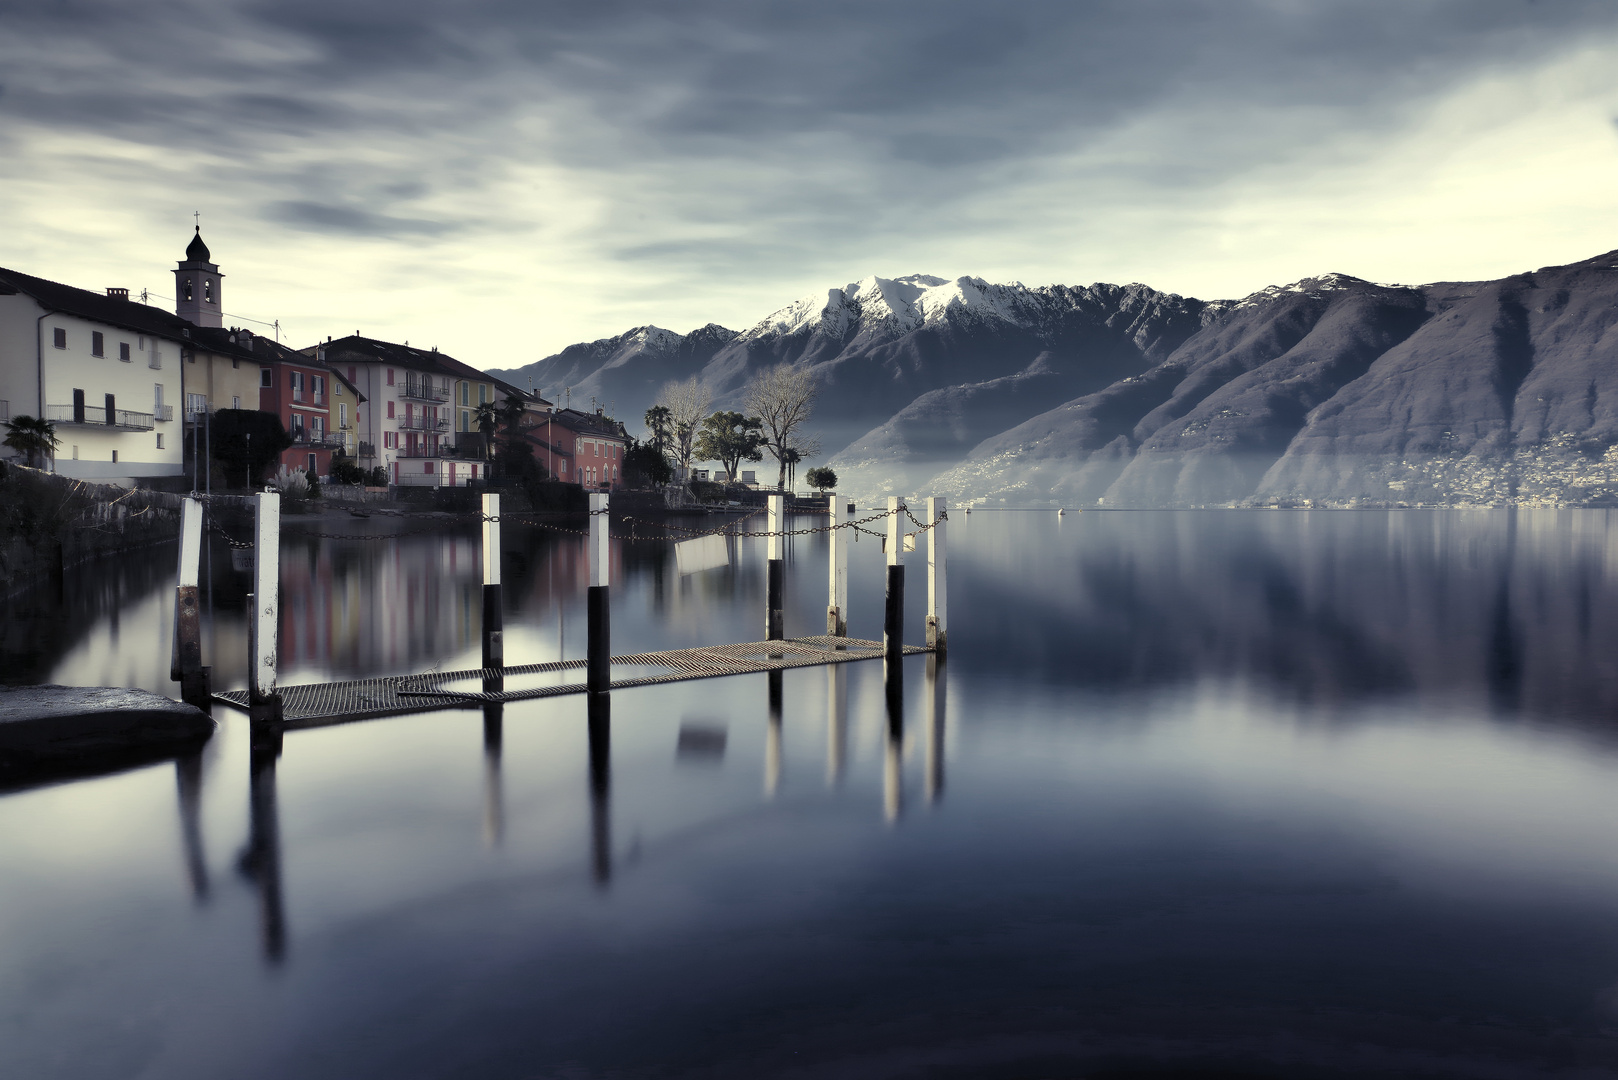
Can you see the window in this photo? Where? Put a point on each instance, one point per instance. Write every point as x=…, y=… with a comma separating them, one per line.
x=483, y=394
x=466, y=417
x=265, y=380
x=353, y=375
x=466, y=393
x=207, y=290
x=311, y=463
x=98, y=343
x=154, y=358
x=59, y=337
x=185, y=289
x=75, y=451
x=297, y=423
x=320, y=388
x=342, y=415
x=196, y=406
x=235, y=402
x=474, y=472
x=390, y=410
x=235, y=361
x=115, y=457
x=160, y=442
x=123, y=351
x=390, y=376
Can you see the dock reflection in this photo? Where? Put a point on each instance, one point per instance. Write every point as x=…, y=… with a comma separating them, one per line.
x=893, y=746
x=494, y=803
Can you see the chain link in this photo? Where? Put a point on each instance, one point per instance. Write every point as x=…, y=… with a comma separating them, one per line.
x=524, y=517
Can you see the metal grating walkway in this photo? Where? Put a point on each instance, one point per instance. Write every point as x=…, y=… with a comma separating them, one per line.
x=317, y=704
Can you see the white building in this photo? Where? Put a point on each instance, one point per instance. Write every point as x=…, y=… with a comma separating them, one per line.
x=104, y=369
x=418, y=419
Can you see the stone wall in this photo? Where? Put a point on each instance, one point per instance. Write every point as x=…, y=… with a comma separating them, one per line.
x=50, y=523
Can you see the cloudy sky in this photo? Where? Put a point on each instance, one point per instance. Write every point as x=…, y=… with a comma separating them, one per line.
x=503, y=178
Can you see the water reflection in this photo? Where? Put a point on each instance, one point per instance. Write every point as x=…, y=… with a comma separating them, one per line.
x=494, y=802
x=188, y=779
x=260, y=861
x=599, y=720
x=893, y=747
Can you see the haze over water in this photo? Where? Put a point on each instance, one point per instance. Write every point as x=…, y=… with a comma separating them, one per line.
x=1273, y=793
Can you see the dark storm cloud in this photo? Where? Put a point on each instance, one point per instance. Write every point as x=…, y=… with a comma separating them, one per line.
x=319, y=217
x=936, y=84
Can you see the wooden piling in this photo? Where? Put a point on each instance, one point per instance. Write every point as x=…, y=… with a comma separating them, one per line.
x=937, y=637
x=494, y=655
x=837, y=598
x=774, y=609
x=185, y=664
x=598, y=634
x=263, y=621
x=894, y=613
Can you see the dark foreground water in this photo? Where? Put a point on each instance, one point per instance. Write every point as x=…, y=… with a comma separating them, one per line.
x=1239, y=794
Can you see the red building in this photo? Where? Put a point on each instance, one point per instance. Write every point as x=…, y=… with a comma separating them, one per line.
x=316, y=405
x=578, y=447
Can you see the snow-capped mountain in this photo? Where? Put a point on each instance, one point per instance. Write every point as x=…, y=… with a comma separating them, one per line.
x=1332, y=389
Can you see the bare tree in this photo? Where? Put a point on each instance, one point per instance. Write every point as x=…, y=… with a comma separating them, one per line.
x=687, y=403
x=782, y=397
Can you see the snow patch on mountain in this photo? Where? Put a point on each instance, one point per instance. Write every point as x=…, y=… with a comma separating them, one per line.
x=898, y=305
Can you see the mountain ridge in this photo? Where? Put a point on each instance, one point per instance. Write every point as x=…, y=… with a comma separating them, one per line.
x=1332, y=389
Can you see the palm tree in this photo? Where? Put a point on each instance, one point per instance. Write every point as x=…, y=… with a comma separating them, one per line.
x=32, y=438
x=487, y=420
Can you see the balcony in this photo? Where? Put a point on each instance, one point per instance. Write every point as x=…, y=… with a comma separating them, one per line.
x=368, y=451
x=95, y=416
x=315, y=440
x=422, y=391
x=421, y=423
x=166, y=415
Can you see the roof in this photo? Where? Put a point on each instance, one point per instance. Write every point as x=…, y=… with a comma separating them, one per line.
x=197, y=251
x=588, y=423
x=262, y=350
x=127, y=314
x=355, y=349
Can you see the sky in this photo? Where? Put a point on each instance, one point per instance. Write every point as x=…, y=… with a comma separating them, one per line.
x=501, y=179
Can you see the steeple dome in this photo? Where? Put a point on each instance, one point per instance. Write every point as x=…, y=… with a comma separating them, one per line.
x=197, y=251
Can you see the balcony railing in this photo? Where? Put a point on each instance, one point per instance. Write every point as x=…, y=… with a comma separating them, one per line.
x=368, y=450
x=306, y=437
x=418, y=452
x=423, y=391
x=320, y=398
x=421, y=423
x=167, y=414
x=96, y=416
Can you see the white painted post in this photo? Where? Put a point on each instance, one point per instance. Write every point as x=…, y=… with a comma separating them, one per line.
x=774, y=606
x=264, y=622
x=893, y=616
x=837, y=600
x=598, y=631
x=936, y=598
x=185, y=661
x=494, y=653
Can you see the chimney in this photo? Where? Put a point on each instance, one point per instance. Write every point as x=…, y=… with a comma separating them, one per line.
x=118, y=294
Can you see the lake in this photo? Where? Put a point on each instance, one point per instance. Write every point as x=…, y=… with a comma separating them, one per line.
x=1205, y=793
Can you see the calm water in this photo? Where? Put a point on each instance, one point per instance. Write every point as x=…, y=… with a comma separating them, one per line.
x=1277, y=794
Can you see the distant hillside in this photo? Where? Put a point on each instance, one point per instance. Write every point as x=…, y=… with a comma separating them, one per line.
x=1332, y=390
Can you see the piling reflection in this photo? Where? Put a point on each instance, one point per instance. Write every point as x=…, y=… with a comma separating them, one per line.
x=261, y=860
x=933, y=716
x=836, y=723
x=893, y=746
x=599, y=718
x=772, y=736
x=188, y=779
x=494, y=805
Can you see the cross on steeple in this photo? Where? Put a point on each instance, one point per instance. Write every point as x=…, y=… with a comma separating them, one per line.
x=197, y=215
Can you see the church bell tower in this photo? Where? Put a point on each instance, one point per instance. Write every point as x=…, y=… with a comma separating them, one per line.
x=196, y=286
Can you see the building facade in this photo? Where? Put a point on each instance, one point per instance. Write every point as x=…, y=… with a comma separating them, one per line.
x=105, y=370
x=577, y=447
x=419, y=417
x=317, y=407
